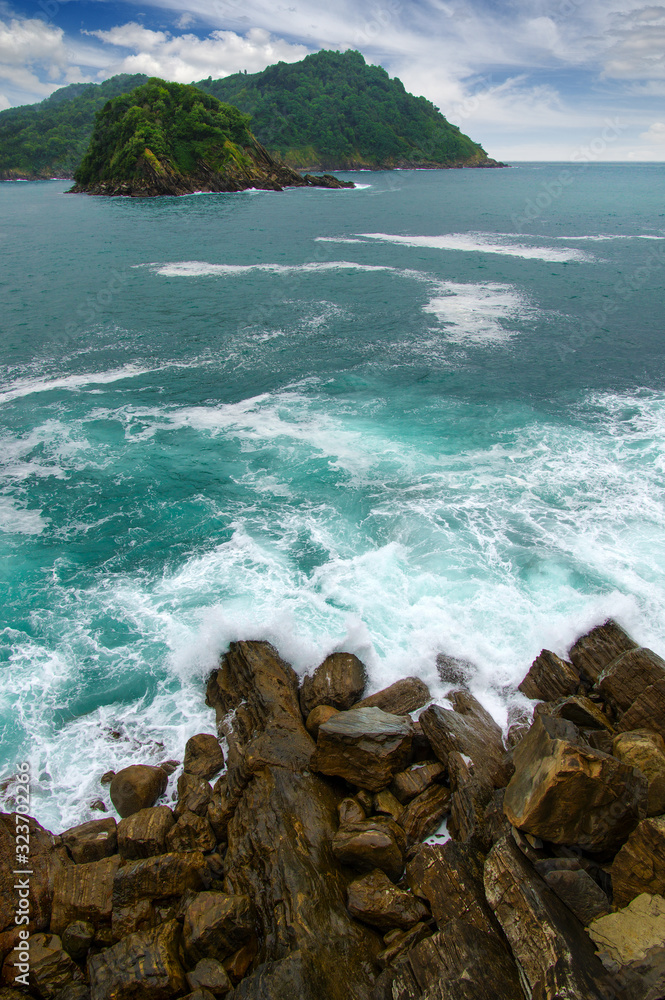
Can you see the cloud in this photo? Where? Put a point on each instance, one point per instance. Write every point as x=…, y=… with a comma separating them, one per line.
x=655, y=134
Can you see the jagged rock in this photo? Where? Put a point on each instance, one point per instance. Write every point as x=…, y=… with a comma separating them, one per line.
x=450, y=877
x=550, y=677
x=407, y=784
x=385, y=804
x=169, y=766
x=424, y=814
x=365, y=746
x=298, y=976
x=453, y=670
x=158, y=878
x=98, y=805
x=350, y=811
x=143, y=966
x=220, y=810
x=640, y=864
x=400, y=698
x=191, y=833
x=45, y=860
x=137, y=787
x=580, y=894
x=216, y=925
x=83, y=892
x=646, y=750
x=91, y=841
x=339, y=681
x=373, y=843
x=50, y=968
x=141, y=916
x=143, y=834
x=326, y=181
x=471, y=795
x=516, y=733
x=317, y=717
x=107, y=778
x=200, y=994
x=593, y=652
x=211, y=975
x=238, y=964
x=599, y=739
x=398, y=942
x=579, y=710
x=77, y=939
x=194, y=795
x=377, y=902
x=203, y=756
x=567, y=793
x=631, y=945
x=470, y=731
x=549, y=943
x=634, y=684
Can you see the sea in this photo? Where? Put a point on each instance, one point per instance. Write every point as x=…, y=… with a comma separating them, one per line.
x=424, y=416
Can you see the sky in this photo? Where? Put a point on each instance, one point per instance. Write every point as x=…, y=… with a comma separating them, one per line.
x=580, y=80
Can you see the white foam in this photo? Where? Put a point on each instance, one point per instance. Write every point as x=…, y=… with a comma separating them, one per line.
x=483, y=243
x=337, y=239
x=602, y=237
x=197, y=268
x=478, y=313
x=15, y=519
x=27, y=387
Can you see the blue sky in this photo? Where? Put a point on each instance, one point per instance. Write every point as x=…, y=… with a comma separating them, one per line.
x=530, y=79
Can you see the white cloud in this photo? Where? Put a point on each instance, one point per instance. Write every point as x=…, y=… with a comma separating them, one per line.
x=655, y=134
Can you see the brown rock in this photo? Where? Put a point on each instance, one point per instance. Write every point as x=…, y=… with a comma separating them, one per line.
x=98, y=805
x=400, y=698
x=470, y=731
x=640, y=864
x=238, y=964
x=593, y=652
x=211, y=975
x=634, y=684
x=200, y=994
x=91, y=841
x=645, y=750
x=407, y=784
x=83, y=892
x=630, y=946
x=169, y=766
x=339, y=681
x=203, y=756
x=45, y=859
x=77, y=939
x=143, y=966
x=143, y=834
x=385, y=804
x=141, y=916
x=191, y=833
x=350, y=811
x=137, y=787
x=373, y=843
x=567, y=793
x=450, y=877
x=550, y=677
x=364, y=746
x=579, y=710
x=580, y=894
x=217, y=924
x=158, y=878
x=107, y=778
x=51, y=968
x=424, y=815
x=317, y=717
x=400, y=942
x=194, y=795
x=220, y=811
x=377, y=902
x=471, y=795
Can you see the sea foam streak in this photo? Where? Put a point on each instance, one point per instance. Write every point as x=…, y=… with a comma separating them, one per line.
x=478, y=313
x=483, y=243
x=27, y=387
x=197, y=268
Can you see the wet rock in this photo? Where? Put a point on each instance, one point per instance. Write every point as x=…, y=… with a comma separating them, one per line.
x=238, y=964
x=599, y=739
x=191, y=833
x=143, y=834
x=194, y=795
x=553, y=950
x=365, y=746
x=211, y=975
x=453, y=670
x=549, y=678
x=107, y=778
x=385, y=804
x=317, y=717
x=373, y=843
x=350, y=811
x=645, y=750
x=339, y=681
x=45, y=860
x=377, y=902
x=83, y=892
x=98, y=805
x=141, y=916
x=640, y=864
x=631, y=945
x=204, y=757
x=567, y=793
x=51, y=968
x=220, y=810
x=137, y=787
x=77, y=939
x=470, y=731
x=634, y=684
x=401, y=942
x=400, y=698
x=160, y=877
x=580, y=894
x=143, y=966
x=579, y=710
x=471, y=795
x=415, y=779
x=450, y=877
x=424, y=815
x=169, y=766
x=593, y=652
x=217, y=924
x=200, y=994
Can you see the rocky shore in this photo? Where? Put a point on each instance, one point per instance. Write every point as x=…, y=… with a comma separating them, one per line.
x=310, y=862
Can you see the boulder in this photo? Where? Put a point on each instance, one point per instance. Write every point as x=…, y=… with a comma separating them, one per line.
x=238, y=964
x=415, y=779
x=83, y=892
x=143, y=966
x=209, y=974
x=204, y=757
x=424, y=815
x=401, y=698
x=137, y=787
x=191, y=833
x=385, y=804
x=645, y=750
x=549, y=678
x=631, y=945
x=593, y=652
x=91, y=841
x=77, y=939
x=398, y=942
x=634, y=684
x=339, y=681
x=143, y=834
x=377, y=902
x=51, y=970
x=580, y=710
x=365, y=746
x=194, y=795
x=317, y=717
x=373, y=843
x=216, y=925
x=157, y=878
x=471, y=795
x=471, y=731
x=640, y=864
x=45, y=860
x=567, y=793
x=579, y=892
x=140, y=916
x=350, y=811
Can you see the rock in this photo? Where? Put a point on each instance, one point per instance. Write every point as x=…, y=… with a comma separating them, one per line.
x=549, y=943
x=424, y=815
x=326, y=181
x=211, y=975
x=51, y=970
x=137, y=787
x=567, y=793
x=238, y=964
x=631, y=945
x=98, y=805
x=220, y=811
x=317, y=717
x=407, y=784
x=158, y=878
x=377, y=902
x=140, y=916
x=339, y=681
x=191, y=833
x=45, y=860
x=400, y=698
x=549, y=678
x=77, y=939
x=169, y=766
x=453, y=670
x=373, y=843
x=640, y=864
x=107, y=778
x=470, y=731
x=365, y=746
x=143, y=966
x=580, y=894
x=91, y=841
x=401, y=942
x=216, y=925
x=143, y=834
x=634, y=684
x=646, y=750
x=593, y=652
x=365, y=800
x=385, y=804
x=471, y=795
x=450, y=877
x=83, y=892
x=200, y=994
x=194, y=795
x=350, y=811
x=599, y=739
x=579, y=710
x=204, y=757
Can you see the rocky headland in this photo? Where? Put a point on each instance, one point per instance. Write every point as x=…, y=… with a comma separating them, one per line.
x=309, y=861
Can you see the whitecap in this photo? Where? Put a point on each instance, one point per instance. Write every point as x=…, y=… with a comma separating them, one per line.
x=483, y=243
x=27, y=387
x=197, y=268
x=478, y=313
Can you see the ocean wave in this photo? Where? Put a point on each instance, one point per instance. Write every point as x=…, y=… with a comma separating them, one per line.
x=197, y=269
x=478, y=313
x=484, y=243
x=27, y=387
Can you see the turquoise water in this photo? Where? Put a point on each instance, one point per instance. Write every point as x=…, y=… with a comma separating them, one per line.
x=426, y=415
